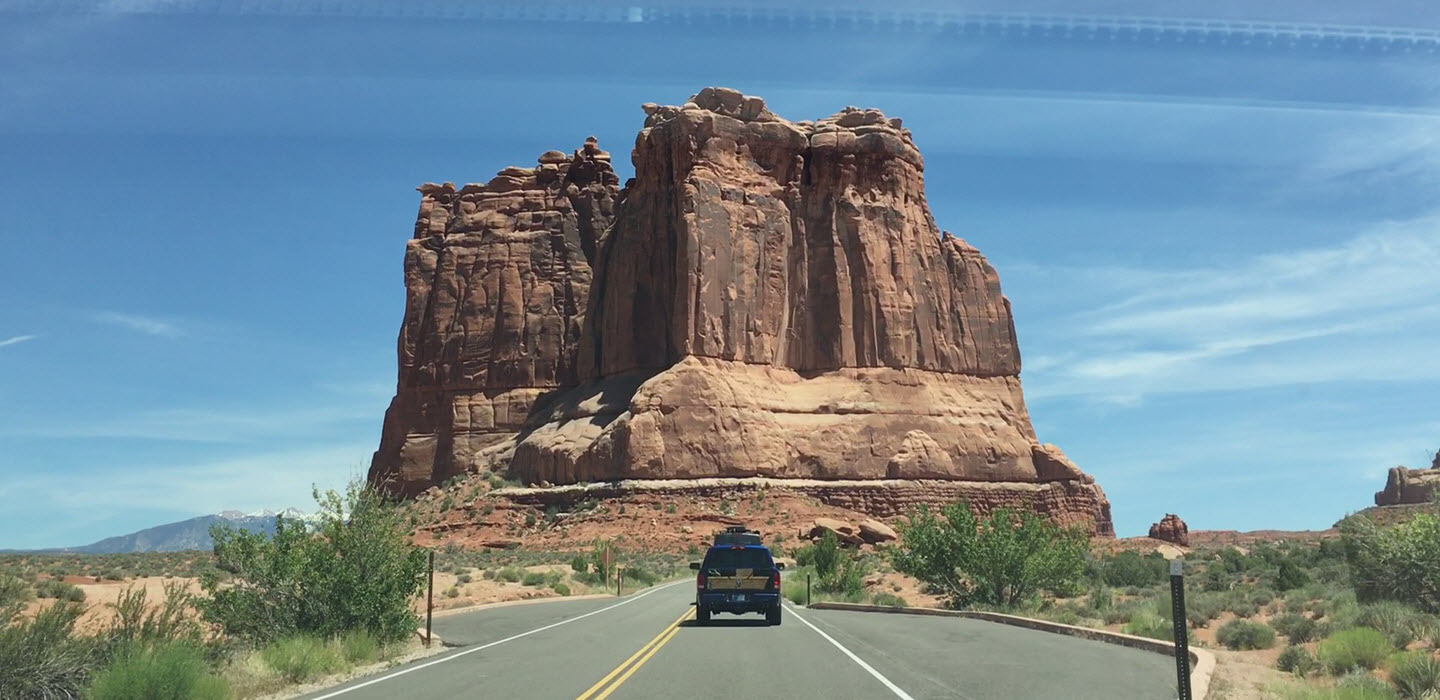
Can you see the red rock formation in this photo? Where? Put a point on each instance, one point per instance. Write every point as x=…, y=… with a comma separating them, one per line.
x=745, y=237
x=772, y=299
x=1406, y=486
x=1171, y=529
x=497, y=279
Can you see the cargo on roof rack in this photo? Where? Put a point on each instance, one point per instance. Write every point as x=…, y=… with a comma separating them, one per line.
x=737, y=535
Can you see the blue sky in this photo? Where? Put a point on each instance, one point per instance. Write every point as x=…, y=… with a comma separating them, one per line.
x=1224, y=257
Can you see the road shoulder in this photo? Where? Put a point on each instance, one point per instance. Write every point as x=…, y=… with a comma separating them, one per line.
x=1202, y=662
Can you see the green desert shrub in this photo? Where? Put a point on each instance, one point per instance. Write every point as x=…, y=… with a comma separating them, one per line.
x=40, y=657
x=1342, y=612
x=353, y=569
x=1241, y=605
x=135, y=621
x=638, y=575
x=1124, y=612
x=1131, y=569
x=1296, y=660
x=1215, y=578
x=359, y=647
x=845, y=579
x=1354, y=686
x=1201, y=608
x=560, y=588
x=792, y=587
x=1290, y=576
x=508, y=574
x=1360, y=684
x=889, y=600
x=1244, y=634
x=13, y=590
x=1102, y=599
x=170, y=671
x=1399, y=562
x=303, y=658
x=1294, y=600
x=1296, y=627
x=1146, y=624
x=1416, y=674
x=1358, y=648
x=59, y=590
x=1260, y=596
x=1400, y=623
x=1002, y=559
x=533, y=578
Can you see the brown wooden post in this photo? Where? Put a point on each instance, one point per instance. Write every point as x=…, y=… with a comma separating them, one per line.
x=430, y=599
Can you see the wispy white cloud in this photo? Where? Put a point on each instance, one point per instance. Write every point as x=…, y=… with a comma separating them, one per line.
x=143, y=324
x=16, y=340
x=1366, y=309
x=1403, y=147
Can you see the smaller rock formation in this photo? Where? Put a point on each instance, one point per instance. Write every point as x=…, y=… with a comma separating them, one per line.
x=869, y=531
x=874, y=531
x=1406, y=486
x=1171, y=529
x=848, y=534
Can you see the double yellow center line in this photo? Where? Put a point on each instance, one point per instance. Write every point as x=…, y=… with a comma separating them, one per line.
x=605, y=687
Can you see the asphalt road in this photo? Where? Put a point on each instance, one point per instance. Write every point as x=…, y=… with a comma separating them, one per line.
x=648, y=646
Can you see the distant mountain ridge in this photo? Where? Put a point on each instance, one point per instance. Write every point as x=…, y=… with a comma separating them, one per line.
x=185, y=534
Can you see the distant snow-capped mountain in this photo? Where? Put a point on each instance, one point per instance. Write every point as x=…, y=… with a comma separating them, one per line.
x=190, y=534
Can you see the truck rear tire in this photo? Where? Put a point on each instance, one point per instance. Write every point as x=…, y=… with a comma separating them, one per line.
x=772, y=616
x=702, y=615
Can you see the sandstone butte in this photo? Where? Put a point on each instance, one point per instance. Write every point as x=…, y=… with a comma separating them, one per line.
x=1406, y=486
x=764, y=299
x=1171, y=529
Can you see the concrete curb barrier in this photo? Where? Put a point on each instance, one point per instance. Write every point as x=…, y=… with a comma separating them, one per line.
x=1202, y=662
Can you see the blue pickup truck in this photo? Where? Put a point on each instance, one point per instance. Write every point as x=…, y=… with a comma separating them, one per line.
x=737, y=579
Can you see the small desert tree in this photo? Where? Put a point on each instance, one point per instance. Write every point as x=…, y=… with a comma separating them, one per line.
x=837, y=570
x=352, y=569
x=1400, y=562
x=1000, y=560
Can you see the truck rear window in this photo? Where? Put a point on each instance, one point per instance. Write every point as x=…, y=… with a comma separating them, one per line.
x=738, y=559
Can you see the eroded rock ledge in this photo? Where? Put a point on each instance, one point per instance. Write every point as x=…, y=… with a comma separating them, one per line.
x=1067, y=503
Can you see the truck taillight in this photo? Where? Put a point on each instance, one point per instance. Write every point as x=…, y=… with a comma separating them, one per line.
x=775, y=580
x=700, y=581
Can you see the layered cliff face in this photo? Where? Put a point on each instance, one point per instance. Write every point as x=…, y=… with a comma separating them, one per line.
x=496, y=278
x=771, y=299
x=805, y=246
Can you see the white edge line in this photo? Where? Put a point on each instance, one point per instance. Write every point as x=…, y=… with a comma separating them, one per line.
x=512, y=638
x=893, y=688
